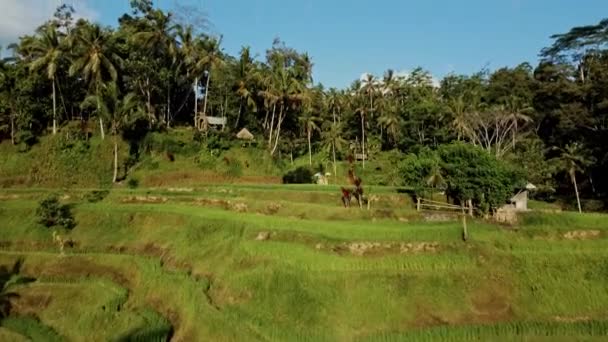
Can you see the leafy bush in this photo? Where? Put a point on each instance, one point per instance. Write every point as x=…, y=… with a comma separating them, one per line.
x=96, y=196
x=592, y=205
x=218, y=142
x=301, y=175
x=206, y=160
x=133, y=183
x=51, y=213
x=472, y=173
x=231, y=167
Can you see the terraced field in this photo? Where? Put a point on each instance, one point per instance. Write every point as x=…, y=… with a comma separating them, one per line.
x=278, y=263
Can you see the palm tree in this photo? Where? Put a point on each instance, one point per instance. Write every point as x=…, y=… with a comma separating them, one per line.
x=7, y=84
x=47, y=52
x=246, y=74
x=309, y=122
x=212, y=58
x=332, y=138
x=119, y=111
x=435, y=179
x=158, y=40
x=458, y=108
x=368, y=87
x=391, y=120
x=96, y=60
x=334, y=102
x=574, y=158
x=189, y=49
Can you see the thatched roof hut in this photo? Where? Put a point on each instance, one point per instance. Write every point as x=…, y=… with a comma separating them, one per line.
x=244, y=134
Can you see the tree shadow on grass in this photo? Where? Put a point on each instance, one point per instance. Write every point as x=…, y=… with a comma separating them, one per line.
x=147, y=334
x=9, y=278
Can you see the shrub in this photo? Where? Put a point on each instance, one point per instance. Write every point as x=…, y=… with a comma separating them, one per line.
x=301, y=175
x=133, y=183
x=472, y=173
x=51, y=213
x=96, y=196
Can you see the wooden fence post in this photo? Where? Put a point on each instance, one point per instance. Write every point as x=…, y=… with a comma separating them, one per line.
x=470, y=204
x=465, y=233
x=418, y=203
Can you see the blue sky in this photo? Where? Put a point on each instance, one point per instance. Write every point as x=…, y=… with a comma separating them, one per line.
x=348, y=38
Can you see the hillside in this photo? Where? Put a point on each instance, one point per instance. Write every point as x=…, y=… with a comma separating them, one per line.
x=229, y=263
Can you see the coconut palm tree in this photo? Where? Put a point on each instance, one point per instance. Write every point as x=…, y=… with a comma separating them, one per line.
x=309, y=121
x=46, y=53
x=243, y=88
x=332, y=139
x=189, y=52
x=573, y=158
x=334, y=102
x=118, y=111
x=210, y=59
x=369, y=88
x=95, y=60
x=158, y=40
x=391, y=121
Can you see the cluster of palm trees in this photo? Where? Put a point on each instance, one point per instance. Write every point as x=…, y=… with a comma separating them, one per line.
x=108, y=64
x=154, y=69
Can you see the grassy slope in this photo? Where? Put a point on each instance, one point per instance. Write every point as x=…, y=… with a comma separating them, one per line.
x=59, y=163
x=202, y=269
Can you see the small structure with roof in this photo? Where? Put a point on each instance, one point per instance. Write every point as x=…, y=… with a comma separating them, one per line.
x=518, y=203
x=244, y=134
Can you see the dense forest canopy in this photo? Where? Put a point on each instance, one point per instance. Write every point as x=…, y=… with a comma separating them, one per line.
x=155, y=71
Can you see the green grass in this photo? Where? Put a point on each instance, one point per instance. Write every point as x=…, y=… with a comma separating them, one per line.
x=336, y=274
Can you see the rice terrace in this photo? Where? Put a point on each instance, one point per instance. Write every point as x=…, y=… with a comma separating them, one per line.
x=158, y=185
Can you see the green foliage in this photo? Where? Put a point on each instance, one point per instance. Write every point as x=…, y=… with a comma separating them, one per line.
x=472, y=173
x=417, y=168
x=96, y=196
x=51, y=213
x=32, y=328
x=301, y=175
x=133, y=183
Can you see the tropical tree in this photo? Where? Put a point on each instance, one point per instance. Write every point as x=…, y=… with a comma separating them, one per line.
x=573, y=158
x=211, y=59
x=244, y=86
x=46, y=52
x=119, y=111
x=309, y=122
x=332, y=139
x=96, y=60
x=369, y=88
x=392, y=122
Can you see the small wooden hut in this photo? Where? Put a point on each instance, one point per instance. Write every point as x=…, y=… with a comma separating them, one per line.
x=244, y=134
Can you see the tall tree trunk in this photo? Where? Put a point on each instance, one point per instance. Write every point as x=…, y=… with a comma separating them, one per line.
x=149, y=104
x=12, y=127
x=206, y=93
x=578, y=199
x=238, y=118
x=54, y=108
x=103, y=134
x=333, y=147
x=168, y=106
x=363, y=138
x=278, y=132
x=274, y=107
x=224, y=111
x=115, y=158
x=309, y=148
x=195, y=102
